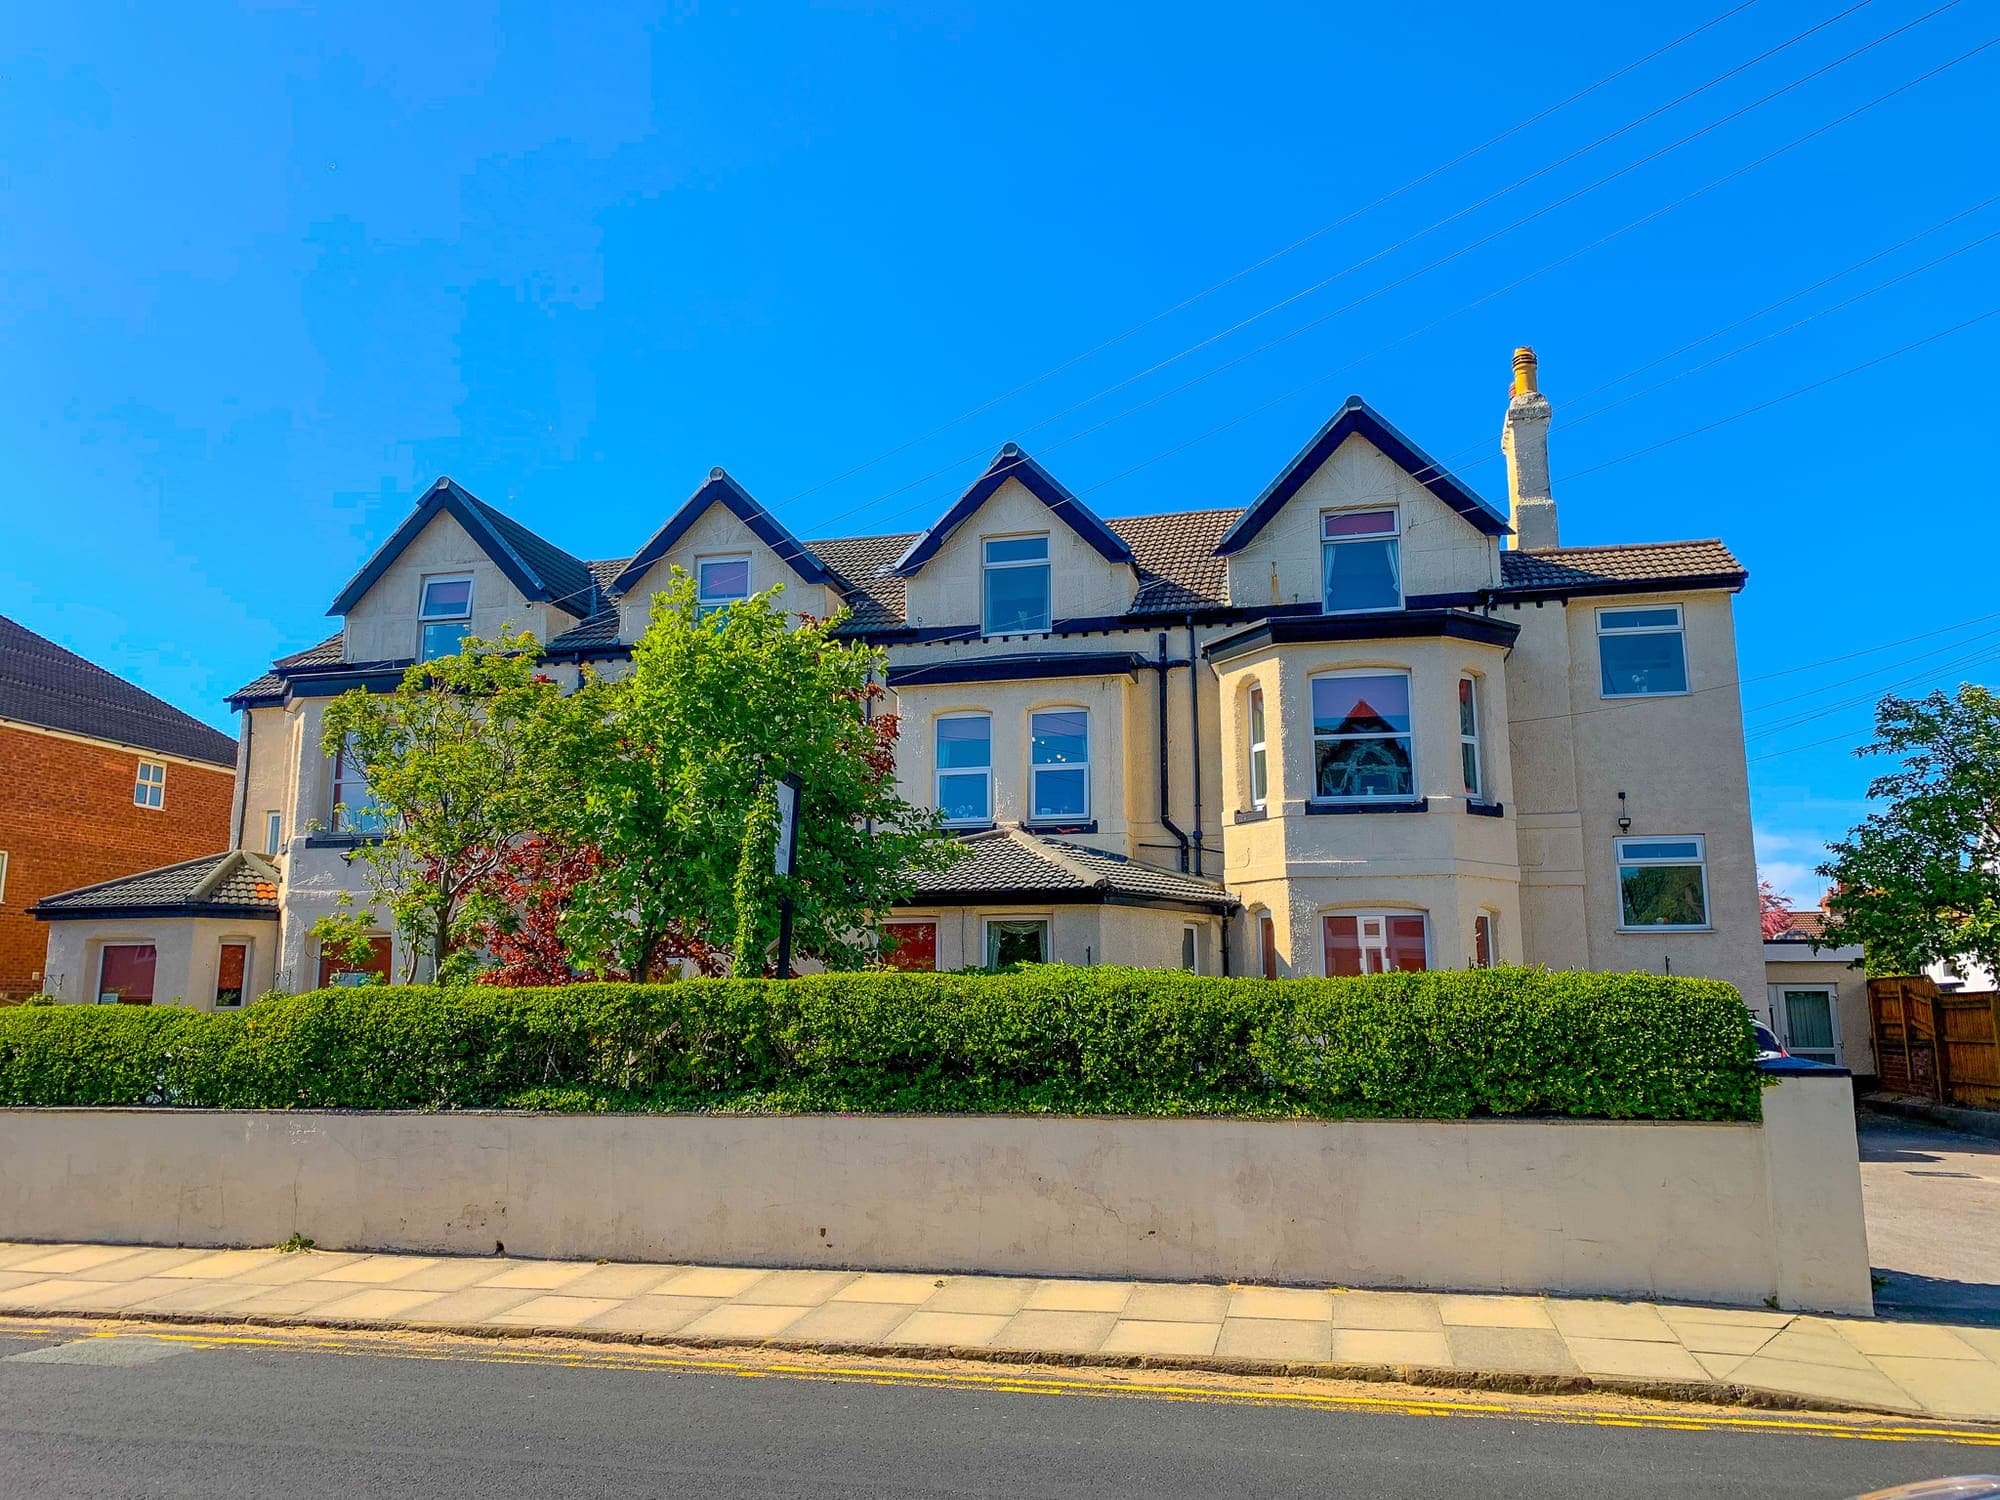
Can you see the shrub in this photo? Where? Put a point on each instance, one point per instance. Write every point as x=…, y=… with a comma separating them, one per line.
x=1043, y=1040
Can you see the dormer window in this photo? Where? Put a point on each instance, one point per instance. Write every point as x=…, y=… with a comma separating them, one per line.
x=1017, y=585
x=721, y=582
x=444, y=616
x=1360, y=564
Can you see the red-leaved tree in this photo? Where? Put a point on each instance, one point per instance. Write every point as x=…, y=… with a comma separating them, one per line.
x=1774, y=909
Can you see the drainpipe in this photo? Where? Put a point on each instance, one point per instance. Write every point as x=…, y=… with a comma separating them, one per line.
x=1166, y=821
x=1194, y=736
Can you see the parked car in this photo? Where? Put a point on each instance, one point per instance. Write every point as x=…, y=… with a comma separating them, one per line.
x=1768, y=1045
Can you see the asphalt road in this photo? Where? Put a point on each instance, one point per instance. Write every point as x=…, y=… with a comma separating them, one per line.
x=134, y=1414
x=1933, y=1204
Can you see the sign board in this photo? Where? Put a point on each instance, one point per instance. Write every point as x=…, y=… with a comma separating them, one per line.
x=787, y=853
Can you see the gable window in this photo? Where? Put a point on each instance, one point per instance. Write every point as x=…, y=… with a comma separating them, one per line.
x=721, y=582
x=965, y=768
x=1360, y=561
x=1059, y=764
x=353, y=811
x=1663, y=884
x=444, y=615
x=231, y=966
x=274, y=832
x=1641, y=652
x=1016, y=585
x=1016, y=940
x=1376, y=942
x=1361, y=738
x=150, y=790
x=1468, y=735
x=1260, y=765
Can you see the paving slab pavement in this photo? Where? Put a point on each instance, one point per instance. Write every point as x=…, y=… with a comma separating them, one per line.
x=1744, y=1355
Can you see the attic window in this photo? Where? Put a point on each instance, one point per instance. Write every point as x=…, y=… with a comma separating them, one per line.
x=444, y=616
x=721, y=582
x=1017, y=585
x=1360, y=560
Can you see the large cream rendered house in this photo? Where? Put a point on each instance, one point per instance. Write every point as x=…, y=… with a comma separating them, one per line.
x=1342, y=728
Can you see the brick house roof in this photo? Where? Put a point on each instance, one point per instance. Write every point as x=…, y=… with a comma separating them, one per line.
x=234, y=883
x=43, y=684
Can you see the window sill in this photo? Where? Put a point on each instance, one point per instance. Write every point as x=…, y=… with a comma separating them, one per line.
x=958, y=828
x=341, y=840
x=1661, y=931
x=1480, y=809
x=1336, y=809
x=1252, y=814
x=1057, y=825
x=1629, y=697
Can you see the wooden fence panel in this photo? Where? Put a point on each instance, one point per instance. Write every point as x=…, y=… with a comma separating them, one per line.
x=1941, y=1047
x=1969, y=1026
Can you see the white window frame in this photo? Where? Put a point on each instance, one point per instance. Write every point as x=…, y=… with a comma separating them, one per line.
x=1491, y=921
x=274, y=831
x=104, y=953
x=1783, y=1017
x=426, y=619
x=150, y=791
x=249, y=953
x=1393, y=534
x=1190, y=947
x=1700, y=861
x=706, y=603
x=1312, y=722
x=1678, y=628
x=1362, y=916
x=3, y=877
x=988, y=567
x=986, y=950
x=334, y=804
x=1035, y=768
x=1475, y=791
x=1257, y=724
x=939, y=772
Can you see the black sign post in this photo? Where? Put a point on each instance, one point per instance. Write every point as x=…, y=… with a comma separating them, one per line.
x=785, y=859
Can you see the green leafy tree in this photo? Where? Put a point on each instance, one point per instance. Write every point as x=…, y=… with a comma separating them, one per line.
x=1919, y=881
x=680, y=800
x=465, y=757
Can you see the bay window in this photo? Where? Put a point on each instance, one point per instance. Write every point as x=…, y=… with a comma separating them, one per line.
x=1016, y=940
x=1017, y=596
x=1360, y=560
x=1059, y=764
x=353, y=809
x=1468, y=736
x=1375, y=942
x=1361, y=738
x=965, y=768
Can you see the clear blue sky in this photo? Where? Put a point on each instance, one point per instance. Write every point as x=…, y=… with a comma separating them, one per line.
x=265, y=271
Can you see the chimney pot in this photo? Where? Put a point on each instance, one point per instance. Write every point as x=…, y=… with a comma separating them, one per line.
x=1524, y=371
x=1525, y=442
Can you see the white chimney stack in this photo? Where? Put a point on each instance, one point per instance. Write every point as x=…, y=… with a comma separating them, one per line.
x=1525, y=441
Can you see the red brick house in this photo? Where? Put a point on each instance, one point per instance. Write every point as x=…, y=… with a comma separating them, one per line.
x=98, y=778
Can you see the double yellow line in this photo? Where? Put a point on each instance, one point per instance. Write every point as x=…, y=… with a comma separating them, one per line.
x=1018, y=1381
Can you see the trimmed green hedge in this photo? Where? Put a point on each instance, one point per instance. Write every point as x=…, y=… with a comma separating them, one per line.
x=1053, y=1040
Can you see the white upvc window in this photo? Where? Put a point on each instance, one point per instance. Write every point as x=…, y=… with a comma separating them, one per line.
x=1260, y=763
x=1190, y=948
x=965, y=768
x=1059, y=765
x=1483, y=945
x=1468, y=737
x=1362, y=746
x=1375, y=942
x=1663, y=884
x=444, y=615
x=1642, y=652
x=274, y=832
x=721, y=582
x=1361, y=565
x=1016, y=585
x=1016, y=940
x=150, y=789
x=1808, y=1017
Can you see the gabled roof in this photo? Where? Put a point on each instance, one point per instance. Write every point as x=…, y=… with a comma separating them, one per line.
x=234, y=883
x=1637, y=567
x=542, y=571
x=43, y=684
x=1004, y=862
x=1357, y=418
x=1011, y=463
x=720, y=489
